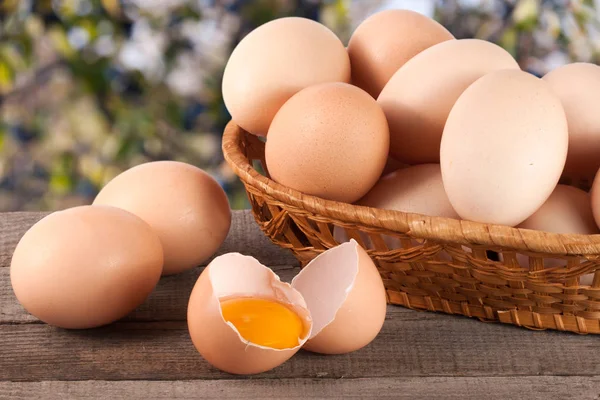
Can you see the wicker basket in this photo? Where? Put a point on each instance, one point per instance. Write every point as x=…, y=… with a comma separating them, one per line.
x=437, y=264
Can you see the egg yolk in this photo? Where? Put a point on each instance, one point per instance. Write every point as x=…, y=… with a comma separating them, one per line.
x=264, y=322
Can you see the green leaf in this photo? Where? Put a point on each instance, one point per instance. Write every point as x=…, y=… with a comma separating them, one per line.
x=7, y=76
x=509, y=41
x=3, y=133
x=61, y=183
x=58, y=37
x=526, y=14
x=174, y=114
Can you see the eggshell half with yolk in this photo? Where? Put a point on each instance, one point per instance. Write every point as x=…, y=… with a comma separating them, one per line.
x=339, y=296
x=218, y=341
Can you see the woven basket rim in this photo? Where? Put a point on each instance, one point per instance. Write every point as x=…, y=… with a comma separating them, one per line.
x=439, y=229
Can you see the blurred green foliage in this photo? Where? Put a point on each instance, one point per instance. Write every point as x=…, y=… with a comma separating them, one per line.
x=90, y=88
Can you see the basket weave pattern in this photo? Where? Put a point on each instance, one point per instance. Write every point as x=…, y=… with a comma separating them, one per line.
x=490, y=272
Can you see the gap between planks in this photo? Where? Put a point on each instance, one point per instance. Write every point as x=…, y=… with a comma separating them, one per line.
x=459, y=388
x=436, y=345
x=167, y=302
x=244, y=237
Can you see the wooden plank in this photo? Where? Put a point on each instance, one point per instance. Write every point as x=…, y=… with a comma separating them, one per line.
x=410, y=344
x=168, y=302
x=244, y=236
x=459, y=388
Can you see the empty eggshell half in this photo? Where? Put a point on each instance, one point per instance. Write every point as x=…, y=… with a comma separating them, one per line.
x=218, y=341
x=346, y=297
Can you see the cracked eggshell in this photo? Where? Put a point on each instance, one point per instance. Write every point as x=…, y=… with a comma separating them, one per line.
x=345, y=294
x=219, y=342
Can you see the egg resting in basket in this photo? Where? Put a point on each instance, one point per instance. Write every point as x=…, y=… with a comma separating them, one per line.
x=439, y=264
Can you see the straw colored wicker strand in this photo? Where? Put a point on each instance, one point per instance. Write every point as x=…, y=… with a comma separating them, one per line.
x=457, y=267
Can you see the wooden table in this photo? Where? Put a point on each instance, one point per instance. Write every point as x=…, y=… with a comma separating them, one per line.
x=418, y=355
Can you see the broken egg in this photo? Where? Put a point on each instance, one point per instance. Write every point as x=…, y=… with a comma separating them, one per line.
x=243, y=320
x=237, y=277
x=346, y=298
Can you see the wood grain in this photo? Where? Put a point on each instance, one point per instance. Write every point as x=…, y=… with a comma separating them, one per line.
x=490, y=388
x=244, y=237
x=168, y=301
x=410, y=344
x=418, y=355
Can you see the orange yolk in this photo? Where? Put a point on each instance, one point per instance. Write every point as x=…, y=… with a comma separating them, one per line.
x=264, y=322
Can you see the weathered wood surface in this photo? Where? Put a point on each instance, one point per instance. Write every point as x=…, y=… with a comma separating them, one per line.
x=530, y=388
x=148, y=354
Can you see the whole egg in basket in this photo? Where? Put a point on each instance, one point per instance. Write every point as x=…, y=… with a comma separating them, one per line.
x=567, y=210
x=416, y=189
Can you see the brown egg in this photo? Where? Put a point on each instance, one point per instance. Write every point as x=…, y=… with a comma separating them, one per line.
x=329, y=140
x=418, y=189
x=86, y=266
x=338, y=298
x=567, y=210
x=595, y=196
x=184, y=205
x=504, y=148
x=218, y=341
x=346, y=298
x=392, y=165
x=275, y=61
x=385, y=41
x=420, y=95
x=578, y=87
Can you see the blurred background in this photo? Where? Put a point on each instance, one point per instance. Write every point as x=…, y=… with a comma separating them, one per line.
x=89, y=88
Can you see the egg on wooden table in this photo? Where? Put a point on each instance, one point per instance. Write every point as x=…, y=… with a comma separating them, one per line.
x=578, y=87
x=243, y=320
x=86, y=266
x=419, y=96
x=567, y=210
x=502, y=155
x=275, y=61
x=186, y=207
x=385, y=41
x=329, y=140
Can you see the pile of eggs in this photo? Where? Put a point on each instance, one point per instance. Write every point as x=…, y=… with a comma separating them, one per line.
x=409, y=118
x=91, y=265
